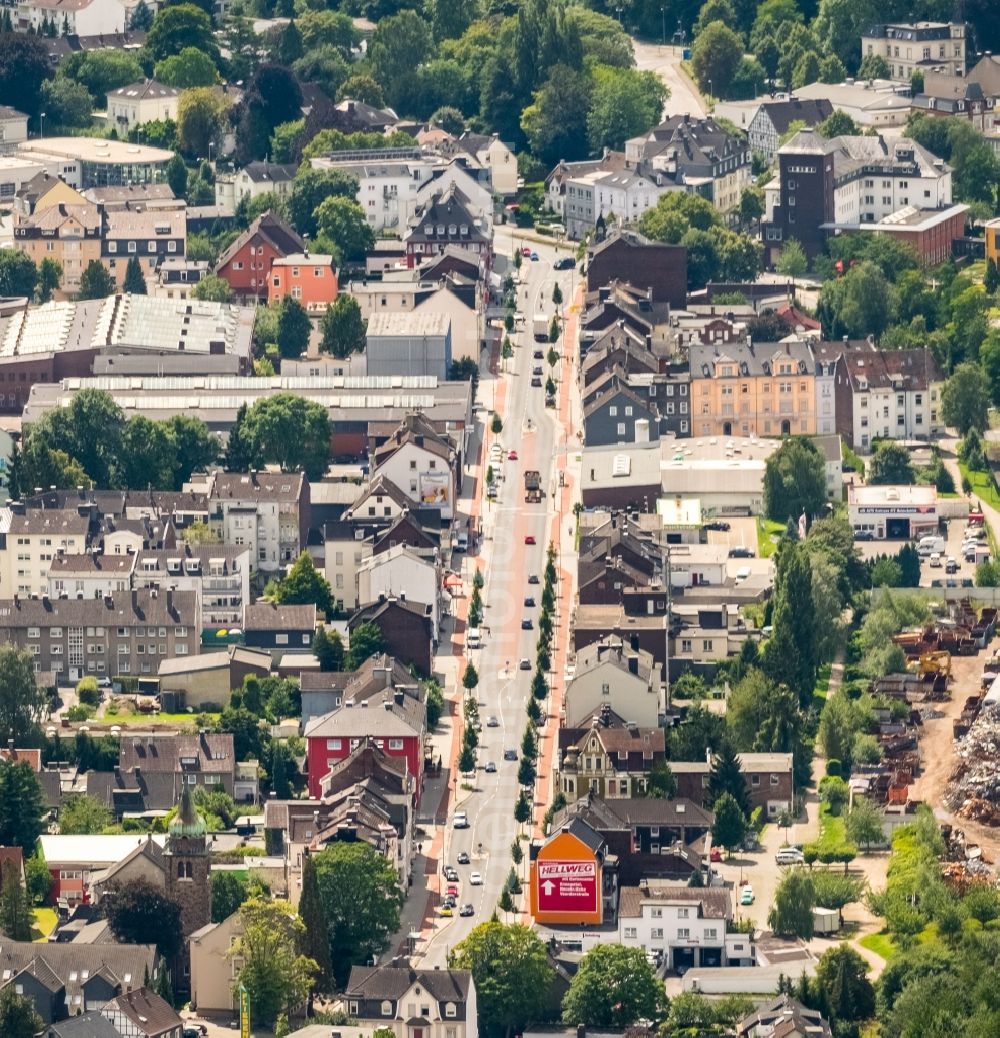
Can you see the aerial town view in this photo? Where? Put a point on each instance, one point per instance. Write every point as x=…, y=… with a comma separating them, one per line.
x=500, y=518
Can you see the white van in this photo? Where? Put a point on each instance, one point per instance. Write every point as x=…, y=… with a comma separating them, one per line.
x=935, y=560
x=929, y=545
x=473, y=638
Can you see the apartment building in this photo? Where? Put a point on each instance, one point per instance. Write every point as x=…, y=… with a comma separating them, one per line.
x=310, y=279
x=609, y=759
x=753, y=389
x=598, y=195
x=149, y=235
x=142, y=102
x=71, y=234
x=266, y=512
x=887, y=393
x=126, y=633
x=851, y=183
x=30, y=539
x=917, y=47
x=448, y=219
x=80, y=18
x=613, y=675
x=218, y=573
x=413, y=1003
x=422, y=463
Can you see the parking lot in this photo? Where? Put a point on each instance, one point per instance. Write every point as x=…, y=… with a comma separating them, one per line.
x=956, y=531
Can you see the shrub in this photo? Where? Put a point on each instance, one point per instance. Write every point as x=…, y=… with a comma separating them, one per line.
x=87, y=691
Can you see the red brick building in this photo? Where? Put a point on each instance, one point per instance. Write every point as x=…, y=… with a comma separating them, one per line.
x=246, y=264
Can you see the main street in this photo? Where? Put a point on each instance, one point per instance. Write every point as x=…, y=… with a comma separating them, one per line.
x=534, y=432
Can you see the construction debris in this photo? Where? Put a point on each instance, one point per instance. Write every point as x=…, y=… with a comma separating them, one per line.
x=974, y=790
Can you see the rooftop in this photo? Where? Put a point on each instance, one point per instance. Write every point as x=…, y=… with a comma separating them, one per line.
x=413, y=323
x=95, y=150
x=891, y=496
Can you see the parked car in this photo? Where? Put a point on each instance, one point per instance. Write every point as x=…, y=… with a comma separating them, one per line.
x=746, y=895
x=452, y=890
x=450, y=872
x=447, y=910
x=525, y=663
x=534, y=257
x=537, y=355
x=741, y=552
x=716, y=854
x=864, y=535
x=526, y=251
x=536, y=381
x=460, y=820
x=566, y=263
x=790, y=856
x=530, y=539
x=717, y=524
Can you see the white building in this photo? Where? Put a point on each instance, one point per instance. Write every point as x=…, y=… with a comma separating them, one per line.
x=609, y=673
x=13, y=128
x=139, y=103
x=33, y=539
x=602, y=195
x=391, y=998
x=878, y=102
x=73, y=17
x=401, y=573
x=409, y=344
x=917, y=47
x=897, y=512
x=420, y=463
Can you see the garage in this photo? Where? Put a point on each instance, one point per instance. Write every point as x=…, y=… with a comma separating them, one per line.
x=894, y=512
x=897, y=529
x=683, y=958
x=711, y=957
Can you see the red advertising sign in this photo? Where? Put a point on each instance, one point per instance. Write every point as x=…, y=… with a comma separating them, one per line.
x=567, y=886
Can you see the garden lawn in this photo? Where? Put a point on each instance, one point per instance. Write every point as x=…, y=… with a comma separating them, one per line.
x=766, y=528
x=982, y=486
x=880, y=943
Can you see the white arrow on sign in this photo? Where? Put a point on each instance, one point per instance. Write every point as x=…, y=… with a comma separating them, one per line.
x=548, y=886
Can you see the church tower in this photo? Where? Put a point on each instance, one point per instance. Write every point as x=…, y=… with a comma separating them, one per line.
x=187, y=864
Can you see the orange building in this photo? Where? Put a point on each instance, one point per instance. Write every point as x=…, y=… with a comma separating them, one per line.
x=312, y=280
x=567, y=877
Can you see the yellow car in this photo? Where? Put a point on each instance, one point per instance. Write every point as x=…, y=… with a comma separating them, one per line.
x=447, y=911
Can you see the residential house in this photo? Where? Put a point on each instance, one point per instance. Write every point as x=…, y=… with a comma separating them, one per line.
x=492, y=154
x=784, y=1017
x=279, y=628
x=149, y=235
x=204, y=682
x=614, y=411
x=206, y=759
x=698, y=155
x=264, y=178
x=81, y=18
x=825, y=187
x=126, y=633
x=13, y=127
x=422, y=463
x=64, y=980
x=610, y=758
x=602, y=196
x=32, y=539
x=413, y=1003
x=466, y=181
x=871, y=103
x=323, y=691
x=267, y=512
x=773, y=119
x=753, y=389
x=711, y=632
x=176, y=277
x=76, y=862
x=887, y=393
x=685, y=927
x=917, y=47
x=959, y=97
x=558, y=181
x=409, y=344
x=141, y=1013
x=393, y=720
x=619, y=346
x=213, y=969
x=87, y=1025
x=611, y=673
x=447, y=220
x=70, y=234
x=406, y=629
x=143, y=102
x=90, y=575
x=625, y=255
x=310, y=279
x=246, y=264
x=769, y=778
x=620, y=305
x=402, y=573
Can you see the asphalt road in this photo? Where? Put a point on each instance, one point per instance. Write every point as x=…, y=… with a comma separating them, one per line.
x=533, y=431
x=665, y=62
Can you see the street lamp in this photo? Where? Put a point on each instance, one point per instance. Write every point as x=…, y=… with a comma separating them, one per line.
x=211, y=145
x=663, y=25
x=41, y=125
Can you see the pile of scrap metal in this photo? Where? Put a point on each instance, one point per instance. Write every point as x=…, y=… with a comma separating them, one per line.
x=974, y=789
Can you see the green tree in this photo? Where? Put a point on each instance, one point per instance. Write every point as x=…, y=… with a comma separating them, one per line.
x=18, y=1018
x=792, y=260
x=37, y=878
x=794, y=480
x=365, y=640
x=730, y=825
x=21, y=805
x=842, y=979
x=315, y=940
x=135, y=280
x=271, y=97
x=791, y=914
x=84, y=814
x=67, y=104
x=726, y=776
x=147, y=454
x=470, y=679
x=213, y=289
x=791, y=654
x=195, y=446
x=138, y=912
x=310, y=188
x=836, y=889
x=555, y=123
x=860, y=303
x=343, y=228
x=864, y=823
x=361, y=893
x=344, y=329
x=177, y=176
x=96, y=282
x=965, y=399
x=526, y=772
x=613, y=987
x=624, y=102
x=305, y=585
x=50, y=274
x=229, y=891
x=467, y=758
x=294, y=327
x=18, y=274
x=179, y=27
x=23, y=705
x=890, y=464
x=15, y=912
x=398, y=46
x=25, y=65
x=511, y=971
x=874, y=66
x=188, y=68
x=202, y=119
x=277, y=977
x=290, y=431
x=328, y=648
x=716, y=53
x=839, y=124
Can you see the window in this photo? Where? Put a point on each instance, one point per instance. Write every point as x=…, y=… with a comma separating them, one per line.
x=774, y=780
x=151, y=246
x=630, y=933
x=656, y=935
x=449, y=1009
x=605, y=689
x=683, y=934
x=621, y=428
x=387, y=1008
x=656, y=913
x=131, y=246
x=352, y=1008
x=612, y=412
x=112, y=246
x=395, y=744
x=683, y=913
x=755, y=780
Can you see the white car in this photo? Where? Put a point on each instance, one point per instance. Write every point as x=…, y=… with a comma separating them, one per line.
x=476, y=879
x=790, y=856
x=460, y=821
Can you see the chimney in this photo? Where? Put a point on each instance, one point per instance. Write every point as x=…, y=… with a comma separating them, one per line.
x=633, y=664
x=633, y=641
x=398, y=697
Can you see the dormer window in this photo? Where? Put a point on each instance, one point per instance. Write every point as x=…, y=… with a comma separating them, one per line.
x=450, y=1009
x=387, y=1008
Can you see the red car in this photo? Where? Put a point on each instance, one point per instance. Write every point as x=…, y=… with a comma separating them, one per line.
x=452, y=890
x=526, y=251
x=530, y=539
x=716, y=854
x=512, y=455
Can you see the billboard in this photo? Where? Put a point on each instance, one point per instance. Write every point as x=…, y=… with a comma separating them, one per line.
x=567, y=886
x=435, y=489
